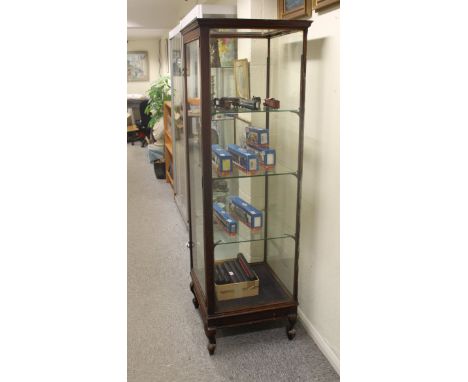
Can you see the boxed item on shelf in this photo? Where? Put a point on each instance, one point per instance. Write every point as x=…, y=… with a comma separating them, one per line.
x=243, y=158
x=226, y=221
x=252, y=104
x=257, y=136
x=272, y=103
x=266, y=156
x=222, y=160
x=247, y=214
x=231, y=280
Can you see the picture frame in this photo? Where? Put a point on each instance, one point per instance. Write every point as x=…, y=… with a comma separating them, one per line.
x=318, y=5
x=242, y=78
x=294, y=9
x=137, y=66
x=223, y=52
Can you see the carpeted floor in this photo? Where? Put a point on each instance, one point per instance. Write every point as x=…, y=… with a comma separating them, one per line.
x=166, y=341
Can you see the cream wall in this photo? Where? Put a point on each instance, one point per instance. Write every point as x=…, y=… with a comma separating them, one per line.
x=152, y=47
x=319, y=270
x=319, y=275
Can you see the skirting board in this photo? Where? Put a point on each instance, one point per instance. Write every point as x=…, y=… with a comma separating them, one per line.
x=320, y=341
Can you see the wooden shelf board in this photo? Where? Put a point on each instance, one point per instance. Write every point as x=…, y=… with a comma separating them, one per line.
x=169, y=148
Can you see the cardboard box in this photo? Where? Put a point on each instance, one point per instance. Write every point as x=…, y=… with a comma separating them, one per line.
x=246, y=213
x=243, y=158
x=266, y=157
x=257, y=136
x=236, y=290
x=226, y=221
x=222, y=160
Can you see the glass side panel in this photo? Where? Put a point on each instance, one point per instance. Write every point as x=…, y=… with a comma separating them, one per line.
x=195, y=158
x=178, y=131
x=255, y=194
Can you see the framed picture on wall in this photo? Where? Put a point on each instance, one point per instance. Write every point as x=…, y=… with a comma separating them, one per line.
x=137, y=66
x=294, y=9
x=223, y=52
x=318, y=5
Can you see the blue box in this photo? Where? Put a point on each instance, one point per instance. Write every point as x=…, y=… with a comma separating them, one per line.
x=246, y=213
x=228, y=223
x=221, y=159
x=256, y=136
x=266, y=157
x=244, y=158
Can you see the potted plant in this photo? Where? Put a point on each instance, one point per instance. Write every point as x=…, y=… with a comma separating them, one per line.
x=158, y=93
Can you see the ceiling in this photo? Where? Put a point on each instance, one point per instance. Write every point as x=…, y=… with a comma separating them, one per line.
x=153, y=18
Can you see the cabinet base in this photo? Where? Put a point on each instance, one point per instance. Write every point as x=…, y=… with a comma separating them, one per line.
x=286, y=311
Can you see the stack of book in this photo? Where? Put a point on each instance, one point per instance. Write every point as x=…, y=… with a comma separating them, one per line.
x=234, y=271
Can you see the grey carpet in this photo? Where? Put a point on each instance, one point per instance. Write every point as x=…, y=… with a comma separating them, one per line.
x=166, y=341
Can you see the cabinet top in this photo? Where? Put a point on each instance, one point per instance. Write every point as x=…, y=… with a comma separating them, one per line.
x=263, y=28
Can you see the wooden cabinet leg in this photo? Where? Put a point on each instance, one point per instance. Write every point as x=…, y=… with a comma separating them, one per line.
x=290, y=331
x=194, y=300
x=211, y=334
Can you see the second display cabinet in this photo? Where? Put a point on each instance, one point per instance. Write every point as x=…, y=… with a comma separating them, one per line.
x=244, y=91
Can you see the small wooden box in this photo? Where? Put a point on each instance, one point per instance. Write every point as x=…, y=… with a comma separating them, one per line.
x=236, y=290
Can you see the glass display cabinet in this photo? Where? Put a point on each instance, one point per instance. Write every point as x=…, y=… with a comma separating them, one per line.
x=244, y=90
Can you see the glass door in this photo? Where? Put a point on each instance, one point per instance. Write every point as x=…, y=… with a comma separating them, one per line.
x=194, y=150
x=254, y=168
x=178, y=131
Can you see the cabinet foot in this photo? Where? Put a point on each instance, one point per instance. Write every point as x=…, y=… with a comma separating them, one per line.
x=290, y=331
x=211, y=334
x=194, y=300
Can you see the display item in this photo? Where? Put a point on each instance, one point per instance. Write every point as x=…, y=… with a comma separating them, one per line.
x=234, y=271
x=252, y=104
x=266, y=157
x=271, y=103
x=257, y=137
x=243, y=158
x=225, y=102
x=221, y=159
x=248, y=272
x=226, y=221
x=246, y=213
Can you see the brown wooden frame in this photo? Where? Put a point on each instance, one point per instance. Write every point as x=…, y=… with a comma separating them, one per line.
x=318, y=5
x=305, y=10
x=204, y=298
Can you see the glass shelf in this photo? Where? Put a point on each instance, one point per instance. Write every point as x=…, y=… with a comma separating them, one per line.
x=240, y=110
x=276, y=230
x=278, y=169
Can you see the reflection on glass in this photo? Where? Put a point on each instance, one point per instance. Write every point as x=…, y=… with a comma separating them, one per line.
x=195, y=163
x=178, y=132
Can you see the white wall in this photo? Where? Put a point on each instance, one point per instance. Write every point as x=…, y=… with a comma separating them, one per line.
x=152, y=46
x=319, y=271
x=319, y=275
